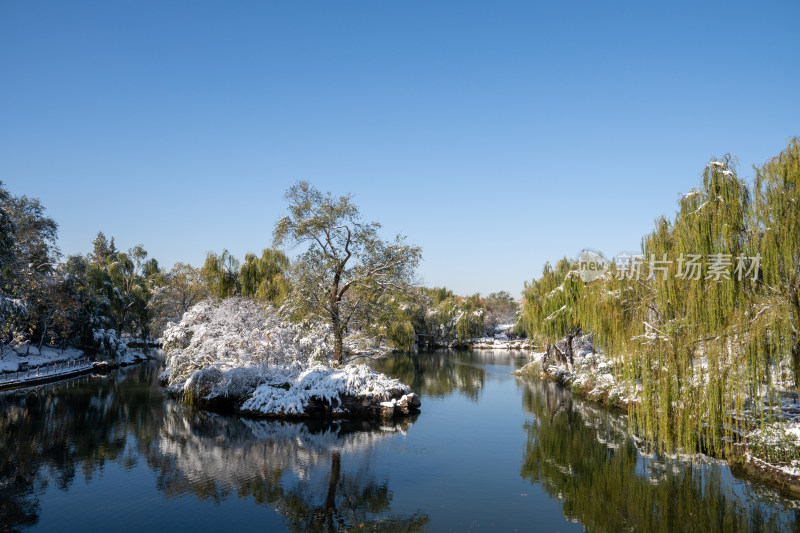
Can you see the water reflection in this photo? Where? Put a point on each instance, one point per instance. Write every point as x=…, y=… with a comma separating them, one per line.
x=49, y=434
x=320, y=476
x=440, y=374
x=344, y=475
x=583, y=456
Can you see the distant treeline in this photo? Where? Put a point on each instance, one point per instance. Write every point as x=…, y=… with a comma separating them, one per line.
x=90, y=301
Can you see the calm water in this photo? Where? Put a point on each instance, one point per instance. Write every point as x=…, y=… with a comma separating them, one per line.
x=488, y=452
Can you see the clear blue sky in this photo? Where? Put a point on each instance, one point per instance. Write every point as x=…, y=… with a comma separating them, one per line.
x=497, y=136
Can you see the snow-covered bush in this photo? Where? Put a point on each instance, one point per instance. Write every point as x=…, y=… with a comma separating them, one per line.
x=326, y=384
x=226, y=347
x=107, y=342
x=239, y=350
x=12, y=334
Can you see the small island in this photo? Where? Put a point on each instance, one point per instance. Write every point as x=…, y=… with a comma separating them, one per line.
x=236, y=353
x=246, y=354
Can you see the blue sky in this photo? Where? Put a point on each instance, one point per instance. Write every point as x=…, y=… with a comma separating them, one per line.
x=497, y=136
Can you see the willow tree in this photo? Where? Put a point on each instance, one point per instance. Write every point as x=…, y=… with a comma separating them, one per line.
x=220, y=273
x=777, y=201
x=551, y=308
x=705, y=318
x=689, y=353
x=347, y=270
x=264, y=278
x=397, y=320
x=470, y=318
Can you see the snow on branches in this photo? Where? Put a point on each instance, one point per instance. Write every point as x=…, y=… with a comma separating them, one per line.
x=237, y=333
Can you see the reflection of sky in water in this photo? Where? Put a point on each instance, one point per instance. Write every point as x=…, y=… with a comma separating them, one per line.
x=487, y=450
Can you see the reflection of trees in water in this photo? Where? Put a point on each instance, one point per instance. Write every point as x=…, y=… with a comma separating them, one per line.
x=48, y=434
x=583, y=456
x=318, y=475
x=441, y=373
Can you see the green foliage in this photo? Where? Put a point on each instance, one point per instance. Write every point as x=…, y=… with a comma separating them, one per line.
x=499, y=308
x=400, y=333
x=102, y=249
x=348, y=273
x=777, y=211
x=695, y=345
x=470, y=321
x=7, y=230
x=173, y=294
x=438, y=295
x=220, y=273
x=264, y=277
x=440, y=314
x=27, y=273
x=450, y=318
x=552, y=308
x=65, y=303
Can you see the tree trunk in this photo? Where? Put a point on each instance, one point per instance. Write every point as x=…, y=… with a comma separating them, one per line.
x=560, y=357
x=323, y=518
x=44, y=334
x=568, y=349
x=338, y=330
x=338, y=343
x=796, y=362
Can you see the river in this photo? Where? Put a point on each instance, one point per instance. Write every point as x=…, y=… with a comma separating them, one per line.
x=489, y=451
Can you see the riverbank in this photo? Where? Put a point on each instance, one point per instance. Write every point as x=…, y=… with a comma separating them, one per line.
x=33, y=357
x=483, y=343
x=29, y=365
x=769, y=455
x=45, y=374
x=495, y=343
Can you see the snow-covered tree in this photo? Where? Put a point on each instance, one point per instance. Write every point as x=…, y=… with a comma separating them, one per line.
x=347, y=270
x=174, y=293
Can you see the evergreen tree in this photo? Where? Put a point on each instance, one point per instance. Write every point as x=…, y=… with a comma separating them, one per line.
x=7, y=231
x=102, y=249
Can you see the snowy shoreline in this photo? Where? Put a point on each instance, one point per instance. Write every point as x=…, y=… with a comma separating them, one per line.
x=591, y=378
x=494, y=343
x=28, y=365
